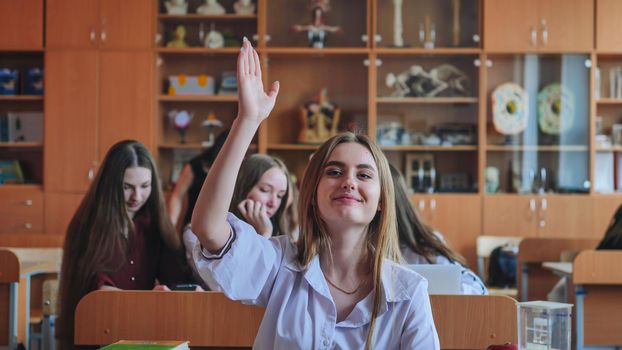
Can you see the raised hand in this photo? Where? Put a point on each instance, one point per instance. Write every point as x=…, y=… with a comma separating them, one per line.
x=253, y=102
x=255, y=214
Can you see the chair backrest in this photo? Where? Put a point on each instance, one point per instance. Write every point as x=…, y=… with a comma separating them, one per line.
x=474, y=321
x=50, y=297
x=486, y=244
x=204, y=318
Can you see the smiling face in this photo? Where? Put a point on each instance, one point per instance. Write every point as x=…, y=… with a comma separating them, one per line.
x=136, y=188
x=348, y=192
x=270, y=190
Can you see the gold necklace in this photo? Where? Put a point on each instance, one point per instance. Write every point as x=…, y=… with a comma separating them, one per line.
x=343, y=290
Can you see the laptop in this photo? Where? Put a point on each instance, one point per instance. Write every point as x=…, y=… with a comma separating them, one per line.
x=442, y=279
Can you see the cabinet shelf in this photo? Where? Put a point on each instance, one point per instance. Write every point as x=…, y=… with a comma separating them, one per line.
x=315, y=52
x=21, y=145
x=609, y=101
x=199, y=98
x=21, y=98
x=609, y=149
x=21, y=186
x=536, y=148
x=428, y=100
x=423, y=51
x=422, y=148
x=190, y=146
x=198, y=51
x=292, y=147
x=199, y=18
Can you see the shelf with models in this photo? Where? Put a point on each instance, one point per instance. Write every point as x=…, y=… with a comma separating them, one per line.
x=198, y=17
x=537, y=148
x=199, y=98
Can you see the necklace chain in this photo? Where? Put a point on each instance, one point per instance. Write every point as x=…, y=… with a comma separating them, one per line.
x=343, y=290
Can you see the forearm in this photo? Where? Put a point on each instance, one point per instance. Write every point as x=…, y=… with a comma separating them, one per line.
x=210, y=211
x=174, y=209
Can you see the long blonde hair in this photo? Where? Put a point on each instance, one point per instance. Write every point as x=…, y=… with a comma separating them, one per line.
x=381, y=232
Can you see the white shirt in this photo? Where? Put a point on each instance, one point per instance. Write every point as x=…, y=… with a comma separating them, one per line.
x=300, y=312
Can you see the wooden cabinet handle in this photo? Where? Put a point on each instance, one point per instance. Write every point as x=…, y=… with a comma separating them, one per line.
x=103, y=36
x=92, y=35
x=534, y=36
x=432, y=203
x=28, y=202
x=421, y=204
x=545, y=32
x=90, y=174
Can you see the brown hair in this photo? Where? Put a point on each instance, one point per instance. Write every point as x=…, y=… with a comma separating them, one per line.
x=252, y=169
x=413, y=232
x=381, y=233
x=96, y=232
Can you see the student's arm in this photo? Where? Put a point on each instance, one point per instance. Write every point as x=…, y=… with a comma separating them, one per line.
x=179, y=193
x=210, y=212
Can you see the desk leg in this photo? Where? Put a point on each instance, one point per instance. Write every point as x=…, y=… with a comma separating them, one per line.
x=579, y=299
x=13, y=299
x=524, y=290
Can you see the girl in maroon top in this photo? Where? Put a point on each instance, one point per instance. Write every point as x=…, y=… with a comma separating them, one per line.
x=120, y=237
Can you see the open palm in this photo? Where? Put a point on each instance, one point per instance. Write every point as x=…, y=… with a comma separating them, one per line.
x=253, y=102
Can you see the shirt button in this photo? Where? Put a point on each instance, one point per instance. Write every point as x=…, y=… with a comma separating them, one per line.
x=325, y=342
x=131, y=262
x=132, y=278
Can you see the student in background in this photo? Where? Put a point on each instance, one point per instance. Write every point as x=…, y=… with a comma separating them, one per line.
x=190, y=181
x=613, y=235
x=420, y=244
x=340, y=285
x=261, y=192
x=121, y=236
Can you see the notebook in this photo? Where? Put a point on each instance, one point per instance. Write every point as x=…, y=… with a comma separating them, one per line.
x=155, y=345
x=442, y=279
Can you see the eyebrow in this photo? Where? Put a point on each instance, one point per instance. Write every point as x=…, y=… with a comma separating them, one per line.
x=342, y=165
x=142, y=184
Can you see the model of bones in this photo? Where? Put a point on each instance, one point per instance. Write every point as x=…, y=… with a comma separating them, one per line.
x=416, y=82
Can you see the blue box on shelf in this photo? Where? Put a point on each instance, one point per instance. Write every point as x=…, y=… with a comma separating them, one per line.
x=33, y=81
x=9, y=79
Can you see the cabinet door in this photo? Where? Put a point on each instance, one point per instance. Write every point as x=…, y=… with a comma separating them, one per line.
x=126, y=24
x=21, y=24
x=564, y=216
x=71, y=24
x=510, y=215
x=603, y=208
x=458, y=218
x=566, y=25
x=125, y=98
x=21, y=210
x=70, y=120
x=608, y=14
x=59, y=210
x=510, y=25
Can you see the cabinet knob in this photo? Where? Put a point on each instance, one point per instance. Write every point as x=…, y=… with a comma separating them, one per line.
x=159, y=61
x=421, y=204
x=476, y=38
x=477, y=62
x=542, y=223
x=90, y=174
x=544, y=204
x=432, y=203
x=103, y=36
x=532, y=205
x=255, y=37
x=489, y=63
x=378, y=62
x=588, y=63
x=157, y=38
x=377, y=38
x=92, y=35
x=267, y=38
x=364, y=38
x=28, y=202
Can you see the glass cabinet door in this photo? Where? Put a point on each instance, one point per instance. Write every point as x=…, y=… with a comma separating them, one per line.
x=537, y=124
x=325, y=24
x=427, y=23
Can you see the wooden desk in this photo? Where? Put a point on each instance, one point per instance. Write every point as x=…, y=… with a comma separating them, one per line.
x=18, y=266
x=209, y=319
x=532, y=281
x=597, y=278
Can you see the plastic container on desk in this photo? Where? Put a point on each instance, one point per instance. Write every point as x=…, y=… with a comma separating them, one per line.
x=544, y=325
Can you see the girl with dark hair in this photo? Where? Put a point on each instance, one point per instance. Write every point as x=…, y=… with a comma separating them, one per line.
x=120, y=237
x=191, y=179
x=420, y=244
x=340, y=285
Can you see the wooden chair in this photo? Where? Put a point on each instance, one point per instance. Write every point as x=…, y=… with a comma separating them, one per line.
x=597, y=277
x=533, y=281
x=485, y=246
x=474, y=321
x=209, y=319
x=206, y=319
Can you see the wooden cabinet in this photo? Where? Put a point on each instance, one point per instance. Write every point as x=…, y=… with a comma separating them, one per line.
x=457, y=217
x=59, y=210
x=608, y=14
x=538, y=25
x=21, y=25
x=112, y=24
x=537, y=216
x=603, y=208
x=21, y=209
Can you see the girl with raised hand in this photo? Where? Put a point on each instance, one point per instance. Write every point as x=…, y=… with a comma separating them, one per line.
x=339, y=285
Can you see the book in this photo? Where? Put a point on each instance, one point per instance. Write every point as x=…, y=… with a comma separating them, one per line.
x=11, y=172
x=143, y=344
